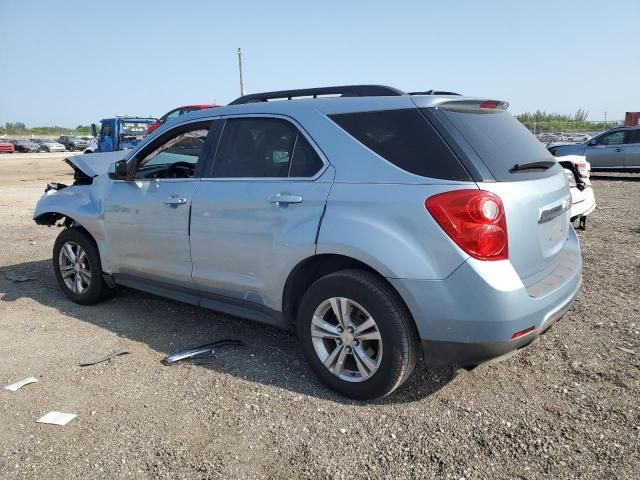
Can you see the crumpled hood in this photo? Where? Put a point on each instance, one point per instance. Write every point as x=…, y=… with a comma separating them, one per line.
x=94, y=164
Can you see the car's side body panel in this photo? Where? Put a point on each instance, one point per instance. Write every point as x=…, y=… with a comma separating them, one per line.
x=244, y=245
x=421, y=250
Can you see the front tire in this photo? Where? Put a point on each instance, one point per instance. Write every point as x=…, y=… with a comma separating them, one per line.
x=357, y=334
x=76, y=263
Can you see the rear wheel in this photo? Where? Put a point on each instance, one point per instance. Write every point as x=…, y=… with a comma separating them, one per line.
x=357, y=334
x=76, y=263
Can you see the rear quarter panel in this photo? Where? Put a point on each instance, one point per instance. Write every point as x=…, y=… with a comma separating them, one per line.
x=387, y=227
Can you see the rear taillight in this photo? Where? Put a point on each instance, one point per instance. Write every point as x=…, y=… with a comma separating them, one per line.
x=475, y=221
x=583, y=169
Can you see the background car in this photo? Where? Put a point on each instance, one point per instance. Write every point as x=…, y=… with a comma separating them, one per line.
x=6, y=146
x=72, y=142
x=175, y=113
x=48, y=145
x=617, y=150
x=578, y=173
x=26, y=146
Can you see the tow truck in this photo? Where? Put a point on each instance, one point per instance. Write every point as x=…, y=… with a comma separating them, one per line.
x=121, y=132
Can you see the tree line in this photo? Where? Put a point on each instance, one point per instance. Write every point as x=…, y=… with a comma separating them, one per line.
x=19, y=128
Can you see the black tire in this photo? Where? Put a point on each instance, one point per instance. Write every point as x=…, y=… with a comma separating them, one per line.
x=97, y=289
x=397, y=331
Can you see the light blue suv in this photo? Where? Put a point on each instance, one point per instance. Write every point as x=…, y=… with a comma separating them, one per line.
x=378, y=224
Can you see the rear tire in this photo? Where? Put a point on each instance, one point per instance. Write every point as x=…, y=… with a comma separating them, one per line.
x=76, y=263
x=359, y=361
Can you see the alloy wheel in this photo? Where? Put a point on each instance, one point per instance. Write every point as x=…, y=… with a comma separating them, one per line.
x=346, y=339
x=74, y=267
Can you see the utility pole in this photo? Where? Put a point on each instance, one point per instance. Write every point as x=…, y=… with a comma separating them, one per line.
x=240, y=68
x=605, y=120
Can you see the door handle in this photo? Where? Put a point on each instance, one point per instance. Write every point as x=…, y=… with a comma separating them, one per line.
x=175, y=200
x=618, y=149
x=279, y=198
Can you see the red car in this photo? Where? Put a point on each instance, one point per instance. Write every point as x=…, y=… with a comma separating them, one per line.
x=175, y=113
x=6, y=147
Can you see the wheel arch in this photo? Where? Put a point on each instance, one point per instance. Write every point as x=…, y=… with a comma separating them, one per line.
x=311, y=269
x=66, y=220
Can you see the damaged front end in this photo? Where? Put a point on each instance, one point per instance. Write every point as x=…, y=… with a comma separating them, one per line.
x=79, y=178
x=81, y=201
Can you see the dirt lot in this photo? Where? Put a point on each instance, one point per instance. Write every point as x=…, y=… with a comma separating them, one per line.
x=566, y=407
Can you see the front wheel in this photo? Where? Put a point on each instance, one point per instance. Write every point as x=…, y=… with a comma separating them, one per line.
x=76, y=263
x=357, y=334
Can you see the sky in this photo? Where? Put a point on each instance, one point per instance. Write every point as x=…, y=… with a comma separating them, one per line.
x=72, y=62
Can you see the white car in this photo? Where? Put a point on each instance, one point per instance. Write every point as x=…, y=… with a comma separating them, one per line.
x=578, y=173
x=49, y=145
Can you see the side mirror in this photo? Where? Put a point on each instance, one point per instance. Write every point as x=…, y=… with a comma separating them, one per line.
x=118, y=170
x=94, y=130
x=592, y=143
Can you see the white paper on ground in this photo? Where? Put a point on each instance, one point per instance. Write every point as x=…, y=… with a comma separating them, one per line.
x=57, y=418
x=18, y=385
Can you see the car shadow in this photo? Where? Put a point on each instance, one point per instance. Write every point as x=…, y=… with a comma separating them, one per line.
x=623, y=177
x=270, y=356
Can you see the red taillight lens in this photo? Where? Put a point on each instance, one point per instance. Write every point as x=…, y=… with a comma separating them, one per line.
x=475, y=221
x=489, y=104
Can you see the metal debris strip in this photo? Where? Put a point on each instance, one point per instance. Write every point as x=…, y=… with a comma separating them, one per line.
x=12, y=277
x=18, y=385
x=199, y=352
x=104, y=359
x=627, y=350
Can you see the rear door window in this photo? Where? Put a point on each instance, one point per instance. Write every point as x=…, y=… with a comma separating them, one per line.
x=406, y=139
x=305, y=162
x=264, y=148
x=500, y=141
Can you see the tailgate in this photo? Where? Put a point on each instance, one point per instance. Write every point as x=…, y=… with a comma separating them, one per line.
x=538, y=223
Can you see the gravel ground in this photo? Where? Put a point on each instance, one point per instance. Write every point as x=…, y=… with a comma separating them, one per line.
x=566, y=407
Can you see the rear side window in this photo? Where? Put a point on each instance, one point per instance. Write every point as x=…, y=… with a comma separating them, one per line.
x=264, y=148
x=500, y=141
x=406, y=139
x=306, y=162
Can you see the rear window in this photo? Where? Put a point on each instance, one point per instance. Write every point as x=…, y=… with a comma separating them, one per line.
x=406, y=139
x=500, y=141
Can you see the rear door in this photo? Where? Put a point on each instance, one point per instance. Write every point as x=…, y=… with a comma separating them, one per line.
x=632, y=149
x=536, y=200
x=257, y=211
x=607, y=151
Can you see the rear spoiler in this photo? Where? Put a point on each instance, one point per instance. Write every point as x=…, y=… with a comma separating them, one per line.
x=474, y=104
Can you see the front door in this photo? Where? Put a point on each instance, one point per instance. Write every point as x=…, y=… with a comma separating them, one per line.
x=607, y=151
x=107, y=139
x=147, y=217
x=257, y=213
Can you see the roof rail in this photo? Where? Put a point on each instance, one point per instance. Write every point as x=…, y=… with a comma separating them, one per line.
x=434, y=92
x=344, y=91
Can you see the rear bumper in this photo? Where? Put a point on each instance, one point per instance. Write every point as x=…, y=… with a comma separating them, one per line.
x=467, y=354
x=471, y=316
